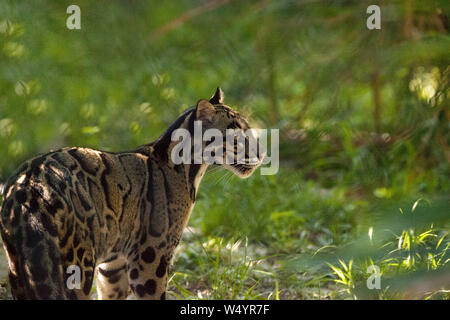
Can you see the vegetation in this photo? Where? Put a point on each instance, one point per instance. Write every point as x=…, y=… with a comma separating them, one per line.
x=364, y=131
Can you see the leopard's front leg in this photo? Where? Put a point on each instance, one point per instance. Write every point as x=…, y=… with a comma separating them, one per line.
x=147, y=272
x=112, y=280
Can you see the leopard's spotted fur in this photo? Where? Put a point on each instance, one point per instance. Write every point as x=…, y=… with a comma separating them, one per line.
x=122, y=213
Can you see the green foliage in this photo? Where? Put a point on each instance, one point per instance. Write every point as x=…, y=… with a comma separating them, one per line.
x=225, y=268
x=363, y=118
x=409, y=252
x=281, y=210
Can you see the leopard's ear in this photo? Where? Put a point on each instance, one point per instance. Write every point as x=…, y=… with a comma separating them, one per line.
x=217, y=98
x=205, y=111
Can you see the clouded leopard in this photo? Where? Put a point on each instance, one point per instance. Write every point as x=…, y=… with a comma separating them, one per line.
x=122, y=214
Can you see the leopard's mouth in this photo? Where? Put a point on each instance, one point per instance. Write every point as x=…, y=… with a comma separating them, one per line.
x=244, y=170
x=246, y=166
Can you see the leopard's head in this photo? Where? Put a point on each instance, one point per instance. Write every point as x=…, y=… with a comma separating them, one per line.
x=244, y=152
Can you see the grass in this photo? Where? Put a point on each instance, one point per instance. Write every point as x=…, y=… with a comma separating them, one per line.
x=280, y=237
x=412, y=252
x=219, y=269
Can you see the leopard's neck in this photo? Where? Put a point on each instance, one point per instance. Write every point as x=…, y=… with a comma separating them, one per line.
x=191, y=173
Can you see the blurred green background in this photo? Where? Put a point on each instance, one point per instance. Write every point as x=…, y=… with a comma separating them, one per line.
x=363, y=117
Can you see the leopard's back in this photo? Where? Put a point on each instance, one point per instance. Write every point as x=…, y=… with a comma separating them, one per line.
x=37, y=221
x=67, y=205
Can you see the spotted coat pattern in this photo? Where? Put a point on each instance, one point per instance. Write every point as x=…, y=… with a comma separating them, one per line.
x=120, y=214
